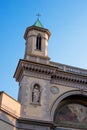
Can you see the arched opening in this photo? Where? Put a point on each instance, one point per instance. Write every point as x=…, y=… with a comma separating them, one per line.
x=71, y=112
x=38, y=42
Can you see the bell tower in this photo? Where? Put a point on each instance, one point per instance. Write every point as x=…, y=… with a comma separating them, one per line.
x=34, y=74
x=37, y=37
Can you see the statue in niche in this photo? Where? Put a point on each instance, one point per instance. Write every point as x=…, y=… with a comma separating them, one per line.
x=36, y=94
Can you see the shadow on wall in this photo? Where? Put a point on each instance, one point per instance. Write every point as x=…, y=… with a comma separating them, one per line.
x=6, y=122
x=60, y=129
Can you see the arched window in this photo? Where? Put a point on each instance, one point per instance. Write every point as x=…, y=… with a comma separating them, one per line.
x=36, y=94
x=38, y=42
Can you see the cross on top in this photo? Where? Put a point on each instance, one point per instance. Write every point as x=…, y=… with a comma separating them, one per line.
x=38, y=15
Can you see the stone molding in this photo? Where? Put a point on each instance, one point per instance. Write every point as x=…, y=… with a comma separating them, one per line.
x=36, y=36
x=33, y=69
x=37, y=75
x=49, y=72
x=70, y=84
x=36, y=28
x=9, y=110
x=70, y=69
x=70, y=80
x=30, y=122
x=38, y=56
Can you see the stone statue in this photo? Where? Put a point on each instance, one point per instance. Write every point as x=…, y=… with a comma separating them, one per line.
x=36, y=94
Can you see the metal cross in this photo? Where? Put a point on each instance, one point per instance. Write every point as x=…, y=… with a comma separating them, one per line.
x=38, y=15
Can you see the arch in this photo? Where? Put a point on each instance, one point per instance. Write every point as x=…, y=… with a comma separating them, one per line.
x=38, y=42
x=62, y=97
x=37, y=83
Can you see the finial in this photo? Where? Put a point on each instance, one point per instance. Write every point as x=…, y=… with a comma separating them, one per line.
x=38, y=15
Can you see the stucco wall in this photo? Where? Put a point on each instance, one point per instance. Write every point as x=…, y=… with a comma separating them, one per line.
x=29, y=110
x=10, y=105
x=61, y=90
x=6, y=126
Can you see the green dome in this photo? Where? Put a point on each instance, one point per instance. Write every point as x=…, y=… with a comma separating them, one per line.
x=38, y=24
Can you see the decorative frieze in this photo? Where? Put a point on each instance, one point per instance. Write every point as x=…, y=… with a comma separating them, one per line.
x=38, y=75
x=49, y=72
x=70, y=69
x=69, y=84
x=33, y=69
x=69, y=77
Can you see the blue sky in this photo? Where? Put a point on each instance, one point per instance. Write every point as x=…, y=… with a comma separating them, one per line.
x=67, y=22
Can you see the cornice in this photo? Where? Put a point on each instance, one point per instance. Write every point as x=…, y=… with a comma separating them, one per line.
x=66, y=76
x=35, y=55
x=49, y=72
x=69, y=84
x=27, y=67
x=68, y=79
x=9, y=111
x=38, y=75
x=38, y=29
x=70, y=69
x=34, y=122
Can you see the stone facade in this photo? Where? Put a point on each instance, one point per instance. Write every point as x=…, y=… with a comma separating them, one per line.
x=46, y=90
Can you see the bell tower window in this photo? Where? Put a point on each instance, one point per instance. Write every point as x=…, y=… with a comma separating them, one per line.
x=38, y=42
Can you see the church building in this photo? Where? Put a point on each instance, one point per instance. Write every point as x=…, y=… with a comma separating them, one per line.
x=52, y=96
